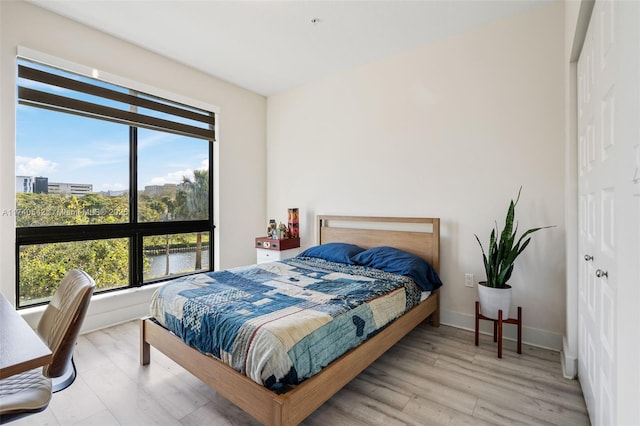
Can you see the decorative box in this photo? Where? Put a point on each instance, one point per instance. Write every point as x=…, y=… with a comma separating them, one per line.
x=271, y=244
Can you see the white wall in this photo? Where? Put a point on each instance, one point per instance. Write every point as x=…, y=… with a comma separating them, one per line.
x=449, y=130
x=241, y=148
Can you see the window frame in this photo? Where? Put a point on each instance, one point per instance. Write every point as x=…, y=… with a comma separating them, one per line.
x=133, y=230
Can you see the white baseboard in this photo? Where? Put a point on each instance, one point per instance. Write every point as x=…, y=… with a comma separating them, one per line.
x=118, y=307
x=569, y=361
x=530, y=336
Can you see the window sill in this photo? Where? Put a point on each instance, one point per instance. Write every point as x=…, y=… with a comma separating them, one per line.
x=106, y=309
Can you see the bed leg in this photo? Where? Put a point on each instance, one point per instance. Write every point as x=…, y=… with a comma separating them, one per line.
x=435, y=316
x=278, y=414
x=145, y=348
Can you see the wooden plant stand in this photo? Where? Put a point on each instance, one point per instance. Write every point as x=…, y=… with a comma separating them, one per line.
x=497, y=327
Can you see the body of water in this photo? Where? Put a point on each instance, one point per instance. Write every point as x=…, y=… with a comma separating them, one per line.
x=178, y=262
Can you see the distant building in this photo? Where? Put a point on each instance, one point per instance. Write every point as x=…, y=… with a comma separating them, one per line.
x=24, y=184
x=41, y=185
x=78, y=189
x=111, y=193
x=168, y=189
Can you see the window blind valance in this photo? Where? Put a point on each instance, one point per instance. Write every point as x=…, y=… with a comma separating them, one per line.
x=75, y=94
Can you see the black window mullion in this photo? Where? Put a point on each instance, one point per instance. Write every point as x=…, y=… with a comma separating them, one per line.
x=135, y=243
x=133, y=175
x=53, y=234
x=211, y=206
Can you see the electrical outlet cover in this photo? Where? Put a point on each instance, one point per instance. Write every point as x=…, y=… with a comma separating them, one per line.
x=468, y=280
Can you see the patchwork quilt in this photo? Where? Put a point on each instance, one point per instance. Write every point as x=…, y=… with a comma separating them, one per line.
x=281, y=322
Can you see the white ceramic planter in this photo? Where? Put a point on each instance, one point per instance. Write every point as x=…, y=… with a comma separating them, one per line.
x=494, y=299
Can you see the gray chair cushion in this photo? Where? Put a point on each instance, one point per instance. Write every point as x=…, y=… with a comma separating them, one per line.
x=29, y=391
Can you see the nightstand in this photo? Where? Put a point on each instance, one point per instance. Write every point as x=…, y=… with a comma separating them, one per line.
x=270, y=250
x=265, y=255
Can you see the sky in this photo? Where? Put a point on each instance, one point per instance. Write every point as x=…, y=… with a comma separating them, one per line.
x=73, y=149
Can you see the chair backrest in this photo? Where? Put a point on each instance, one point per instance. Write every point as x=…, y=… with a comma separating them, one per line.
x=61, y=321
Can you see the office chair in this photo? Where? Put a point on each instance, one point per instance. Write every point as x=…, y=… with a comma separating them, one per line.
x=59, y=326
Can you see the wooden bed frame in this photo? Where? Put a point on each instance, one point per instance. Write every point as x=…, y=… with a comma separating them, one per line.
x=294, y=406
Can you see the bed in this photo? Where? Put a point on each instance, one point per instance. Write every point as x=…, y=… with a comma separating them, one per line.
x=288, y=403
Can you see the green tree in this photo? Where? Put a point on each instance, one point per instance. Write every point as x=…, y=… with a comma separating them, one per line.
x=168, y=215
x=42, y=266
x=194, y=204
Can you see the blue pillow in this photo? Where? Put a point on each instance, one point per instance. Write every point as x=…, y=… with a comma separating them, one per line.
x=400, y=262
x=333, y=252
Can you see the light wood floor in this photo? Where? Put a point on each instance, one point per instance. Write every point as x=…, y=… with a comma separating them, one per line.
x=435, y=376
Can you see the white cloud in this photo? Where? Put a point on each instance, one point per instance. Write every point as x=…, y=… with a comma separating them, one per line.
x=153, y=139
x=112, y=149
x=174, y=177
x=83, y=162
x=30, y=166
x=178, y=176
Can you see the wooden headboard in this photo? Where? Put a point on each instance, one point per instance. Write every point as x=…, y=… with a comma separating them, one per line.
x=419, y=236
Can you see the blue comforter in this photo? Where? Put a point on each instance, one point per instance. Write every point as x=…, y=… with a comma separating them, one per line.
x=281, y=322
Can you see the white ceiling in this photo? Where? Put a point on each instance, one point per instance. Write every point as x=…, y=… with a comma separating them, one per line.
x=271, y=46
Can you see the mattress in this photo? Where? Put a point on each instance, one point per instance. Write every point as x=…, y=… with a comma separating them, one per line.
x=279, y=323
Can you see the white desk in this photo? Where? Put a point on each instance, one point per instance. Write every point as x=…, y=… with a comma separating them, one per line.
x=21, y=349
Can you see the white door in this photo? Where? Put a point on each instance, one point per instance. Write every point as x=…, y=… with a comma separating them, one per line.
x=607, y=126
x=597, y=150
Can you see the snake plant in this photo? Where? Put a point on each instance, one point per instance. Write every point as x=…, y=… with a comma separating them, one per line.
x=502, y=253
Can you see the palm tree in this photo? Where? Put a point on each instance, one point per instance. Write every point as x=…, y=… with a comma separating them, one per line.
x=195, y=204
x=169, y=208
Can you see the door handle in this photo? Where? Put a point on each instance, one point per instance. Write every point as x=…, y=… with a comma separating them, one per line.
x=588, y=257
x=602, y=274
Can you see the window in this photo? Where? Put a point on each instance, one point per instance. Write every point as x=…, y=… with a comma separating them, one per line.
x=110, y=180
